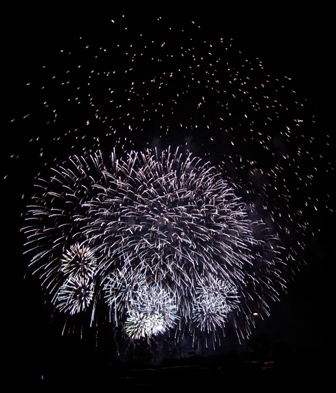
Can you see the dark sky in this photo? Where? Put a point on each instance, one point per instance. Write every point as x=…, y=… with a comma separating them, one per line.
x=301, y=45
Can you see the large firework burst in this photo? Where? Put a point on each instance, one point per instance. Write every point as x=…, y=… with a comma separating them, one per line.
x=209, y=228
x=156, y=229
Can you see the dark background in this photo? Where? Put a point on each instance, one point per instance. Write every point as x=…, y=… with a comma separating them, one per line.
x=291, y=42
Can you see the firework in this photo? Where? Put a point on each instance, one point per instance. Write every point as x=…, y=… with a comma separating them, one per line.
x=155, y=228
x=74, y=296
x=123, y=211
x=54, y=233
x=151, y=312
x=79, y=261
x=213, y=304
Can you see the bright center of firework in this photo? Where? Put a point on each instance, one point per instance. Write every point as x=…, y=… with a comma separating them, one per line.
x=151, y=312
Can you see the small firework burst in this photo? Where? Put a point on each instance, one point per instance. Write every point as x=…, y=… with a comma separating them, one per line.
x=74, y=295
x=213, y=305
x=151, y=312
x=78, y=261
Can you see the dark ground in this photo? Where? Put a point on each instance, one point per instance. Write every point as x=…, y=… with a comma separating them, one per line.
x=232, y=371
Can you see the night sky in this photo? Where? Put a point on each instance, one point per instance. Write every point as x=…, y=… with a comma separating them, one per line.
x=292, y=46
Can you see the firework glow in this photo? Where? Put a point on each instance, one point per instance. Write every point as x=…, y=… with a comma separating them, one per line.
x=173, y=186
